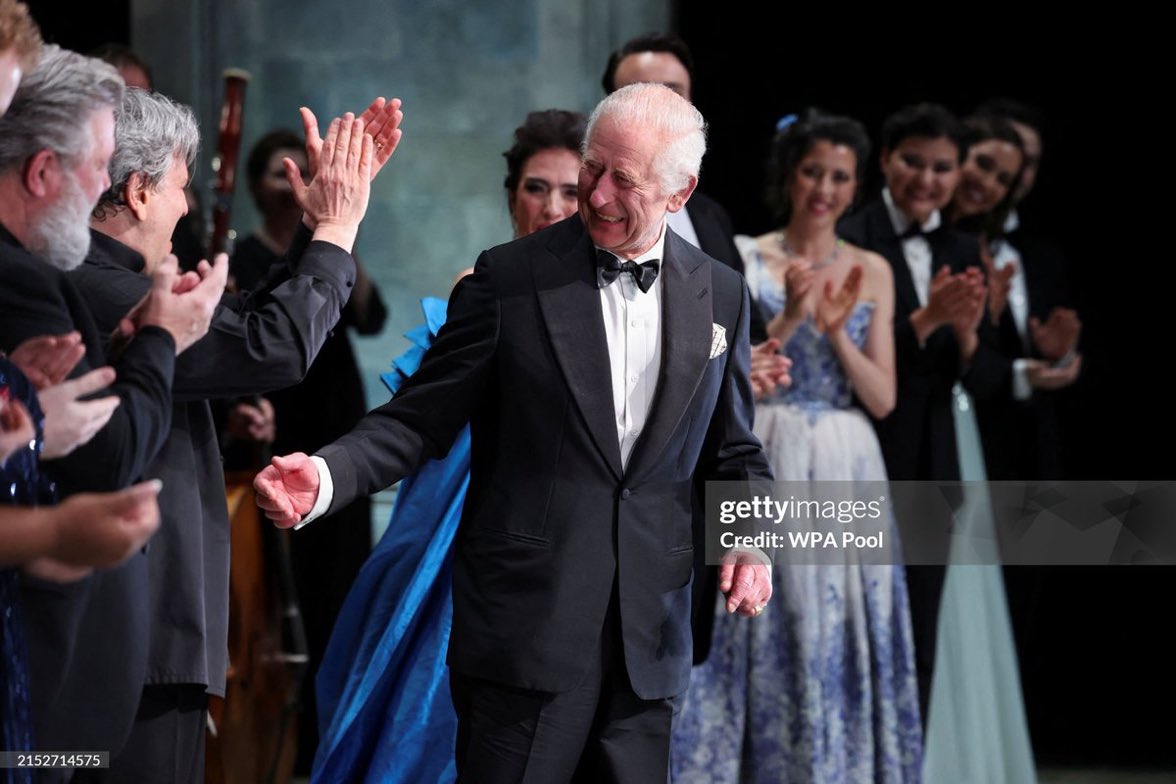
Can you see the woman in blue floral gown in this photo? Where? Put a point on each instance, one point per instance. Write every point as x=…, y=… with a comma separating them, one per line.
x=383, y=687
x=820, y=687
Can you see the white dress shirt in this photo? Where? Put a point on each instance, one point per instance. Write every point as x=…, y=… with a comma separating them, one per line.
x=632, y=327
x=1003, y=254
x=916, y=250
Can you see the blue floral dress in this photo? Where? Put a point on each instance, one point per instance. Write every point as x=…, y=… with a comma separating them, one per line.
x=821, y=687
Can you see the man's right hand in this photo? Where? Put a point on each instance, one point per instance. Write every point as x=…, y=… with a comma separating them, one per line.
x=337, y=197
x=287, y=489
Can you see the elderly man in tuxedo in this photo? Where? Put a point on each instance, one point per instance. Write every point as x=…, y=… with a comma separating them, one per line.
x=602, y=364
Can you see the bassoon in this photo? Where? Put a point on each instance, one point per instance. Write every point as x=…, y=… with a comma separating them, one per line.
x=224, y=165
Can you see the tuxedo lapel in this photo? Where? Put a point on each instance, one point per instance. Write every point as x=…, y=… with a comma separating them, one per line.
x=889, y=246
x=570, y=302
x=687, y=318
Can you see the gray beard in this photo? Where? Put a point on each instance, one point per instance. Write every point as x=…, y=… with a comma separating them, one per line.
x=62, y=235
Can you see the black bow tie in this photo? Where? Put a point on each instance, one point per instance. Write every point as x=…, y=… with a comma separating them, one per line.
x=916, y=230
x=609, y=267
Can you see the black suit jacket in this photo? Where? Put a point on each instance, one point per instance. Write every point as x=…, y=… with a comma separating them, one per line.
x=918, y=437
x=716, y=238
x=84, y=693
x=552, y=525
x=254, y=344
x=1021, y=437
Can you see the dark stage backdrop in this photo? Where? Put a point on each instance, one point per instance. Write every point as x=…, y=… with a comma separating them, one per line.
x=1103, y=688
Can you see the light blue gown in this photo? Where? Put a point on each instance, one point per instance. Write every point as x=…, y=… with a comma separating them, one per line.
x=976, y=727
x=821, y=687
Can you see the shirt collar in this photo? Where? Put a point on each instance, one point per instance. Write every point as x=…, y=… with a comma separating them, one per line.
x=106, y=249
x=656, y=252
x=901, y=222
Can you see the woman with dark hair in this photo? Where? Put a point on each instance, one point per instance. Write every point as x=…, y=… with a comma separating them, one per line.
x=383, y=689
x=822, y=684
x=989, y=176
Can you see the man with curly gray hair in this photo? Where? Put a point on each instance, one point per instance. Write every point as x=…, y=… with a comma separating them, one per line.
x=259, y=343
x=56, y=139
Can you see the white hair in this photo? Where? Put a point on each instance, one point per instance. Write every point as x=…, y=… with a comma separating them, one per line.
x=53, y=104
x=678, y=124
x=150, y=131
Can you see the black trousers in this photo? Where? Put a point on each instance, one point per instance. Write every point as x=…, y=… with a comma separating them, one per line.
x=601, y=731
x=167, y=741
x=924, y=592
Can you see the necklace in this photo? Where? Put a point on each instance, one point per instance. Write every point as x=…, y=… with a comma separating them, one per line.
x=832, y=257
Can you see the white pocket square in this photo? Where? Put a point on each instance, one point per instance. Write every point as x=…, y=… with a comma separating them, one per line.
x=718, y=340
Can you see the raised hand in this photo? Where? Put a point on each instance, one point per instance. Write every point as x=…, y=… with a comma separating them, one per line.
x=945, y=296
x=287, y=488
x=97, y=530
x=1058, y=336
x=16, y=427
x=835, y=307
x=798, y=281
x=969, y=309
x=337, y=197
x=769, y=369
x=179, y=305
x=381, y=121
x=1000, y=282
x=47, y=360
x=71, y=421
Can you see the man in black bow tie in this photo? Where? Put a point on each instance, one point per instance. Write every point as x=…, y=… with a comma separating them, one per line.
x=939, y=306
x=598, y=399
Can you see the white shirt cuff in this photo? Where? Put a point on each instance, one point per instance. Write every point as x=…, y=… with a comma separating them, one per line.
x=1022, y=389
x=325, y=494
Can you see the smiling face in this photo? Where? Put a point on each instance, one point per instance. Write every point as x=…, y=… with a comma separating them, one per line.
x=546, y=191
x=921, y=174
x=164, y=206
x=986, y=176
x=622, y=202
x=823, y=185
x=1031, y=141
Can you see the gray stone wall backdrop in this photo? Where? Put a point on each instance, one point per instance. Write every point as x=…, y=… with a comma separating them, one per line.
x=468, y=72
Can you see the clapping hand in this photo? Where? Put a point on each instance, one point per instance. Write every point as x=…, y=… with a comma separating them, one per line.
x=47, y=360
x=835, y=306
x=336, y=199
x=769, y=369
x=1058, y=336
x=1000, y=282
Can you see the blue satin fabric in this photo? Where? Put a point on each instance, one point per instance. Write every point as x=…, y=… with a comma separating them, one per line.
x=385, y=713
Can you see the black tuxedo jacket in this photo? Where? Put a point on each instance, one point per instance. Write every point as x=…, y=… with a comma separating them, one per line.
x=918, y=437
x=254, y=344
x=75, y=688
x=552, y=524
x=1021, y=437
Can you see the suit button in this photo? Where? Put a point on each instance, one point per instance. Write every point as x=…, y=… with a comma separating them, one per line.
x=626, y=493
